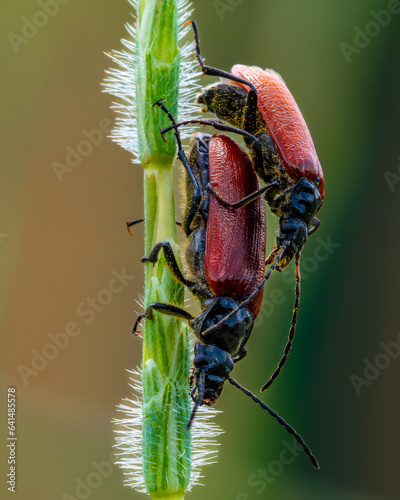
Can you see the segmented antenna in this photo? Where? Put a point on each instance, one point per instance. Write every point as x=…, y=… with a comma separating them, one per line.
x=292, y=328
x=283, y=422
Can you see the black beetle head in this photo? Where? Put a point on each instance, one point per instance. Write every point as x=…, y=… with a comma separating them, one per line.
x=297, y=217
x=293, y=235
x=304, y=201
x=216, y=364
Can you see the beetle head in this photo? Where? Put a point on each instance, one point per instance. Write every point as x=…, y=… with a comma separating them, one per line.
x=302, y=205
x=293, y=235
x=216, y=364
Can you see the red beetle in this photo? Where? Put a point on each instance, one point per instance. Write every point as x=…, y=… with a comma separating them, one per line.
x=285, y=123
x=283, y=153
x=258, y=103
x=235, y=247
x=225, y=257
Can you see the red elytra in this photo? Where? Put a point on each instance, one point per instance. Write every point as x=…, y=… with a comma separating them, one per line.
x=235, y=238
x=285, y=123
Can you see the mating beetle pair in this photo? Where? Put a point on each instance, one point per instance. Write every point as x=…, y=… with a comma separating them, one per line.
x=227, y=276
x=222, y=272
x=225, y=257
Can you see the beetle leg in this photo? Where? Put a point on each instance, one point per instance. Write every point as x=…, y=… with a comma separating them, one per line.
x=138, y=320
x=271, y=256
x=170, y=261
x=173, y=267
x=315, y=223
x=131, y=223
x=168, y=309
x=194, y=204
x=244, y=201
x=217, y=124
x=250, y=109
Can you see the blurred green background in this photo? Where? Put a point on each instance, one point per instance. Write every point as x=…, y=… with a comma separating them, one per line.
x=60, y=243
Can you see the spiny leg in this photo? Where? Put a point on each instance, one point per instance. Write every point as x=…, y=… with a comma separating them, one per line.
x=167, y=309
x=250, y=111
x=173, y=267
x=169, y=259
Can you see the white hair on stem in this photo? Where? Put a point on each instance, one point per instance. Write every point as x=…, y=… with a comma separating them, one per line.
x=121, y=83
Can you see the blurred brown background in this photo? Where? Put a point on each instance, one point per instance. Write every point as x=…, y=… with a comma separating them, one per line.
x=62, y=239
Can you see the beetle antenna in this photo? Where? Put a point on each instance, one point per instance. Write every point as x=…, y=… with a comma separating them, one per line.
x=199, y=399
x=283, y=422
x=292, y=328
x=161, y=105
x=250, y=297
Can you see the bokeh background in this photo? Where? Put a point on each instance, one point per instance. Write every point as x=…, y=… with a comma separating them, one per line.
x=61, y=242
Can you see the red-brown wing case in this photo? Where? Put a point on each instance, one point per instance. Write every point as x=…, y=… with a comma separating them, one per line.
x=235, y=238
x=285, y=123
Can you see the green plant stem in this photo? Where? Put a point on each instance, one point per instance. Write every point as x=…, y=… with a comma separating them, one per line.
x=166, y=349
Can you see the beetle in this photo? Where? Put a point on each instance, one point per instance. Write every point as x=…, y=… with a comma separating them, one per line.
x=290, y=160
x=260, y=103
x=283, y=155
x=225, y=258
